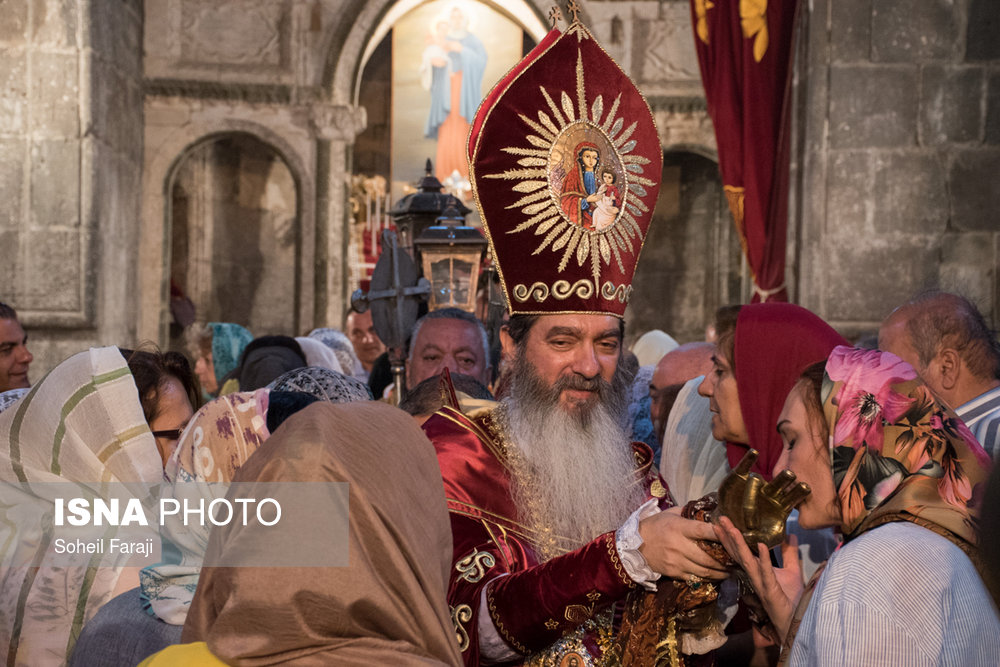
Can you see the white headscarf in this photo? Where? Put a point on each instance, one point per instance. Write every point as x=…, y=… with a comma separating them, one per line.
x=693, y=463
x=318, y=354
x=652, y=345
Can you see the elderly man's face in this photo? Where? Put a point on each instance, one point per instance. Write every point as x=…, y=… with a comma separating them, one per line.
x=447, y=343
x=676, y=367
x=14, y=356
x=573, y=351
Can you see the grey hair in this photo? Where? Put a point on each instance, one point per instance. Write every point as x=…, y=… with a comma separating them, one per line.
x=452, y=314
x=937, y=319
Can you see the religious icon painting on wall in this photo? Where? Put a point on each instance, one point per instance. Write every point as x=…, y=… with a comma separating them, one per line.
x=446, y=55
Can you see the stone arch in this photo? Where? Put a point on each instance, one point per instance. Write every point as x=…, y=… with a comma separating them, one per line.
x=691, y=262
x=165, y=149
x=344, y=66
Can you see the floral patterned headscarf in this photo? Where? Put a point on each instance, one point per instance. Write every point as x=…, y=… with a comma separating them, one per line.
x=219, y=439
x=897, y=451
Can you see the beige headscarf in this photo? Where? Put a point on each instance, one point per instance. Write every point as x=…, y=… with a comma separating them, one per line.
x=81, y=424
x=388, y=607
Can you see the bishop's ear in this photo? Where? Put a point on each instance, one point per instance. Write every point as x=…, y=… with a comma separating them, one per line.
x=507, y=345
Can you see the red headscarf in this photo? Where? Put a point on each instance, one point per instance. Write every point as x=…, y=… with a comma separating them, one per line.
x=774, y=343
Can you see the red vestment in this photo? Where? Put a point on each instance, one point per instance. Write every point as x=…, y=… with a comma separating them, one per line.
x=537, y=605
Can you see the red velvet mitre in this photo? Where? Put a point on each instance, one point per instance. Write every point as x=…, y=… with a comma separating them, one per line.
x=541, y=145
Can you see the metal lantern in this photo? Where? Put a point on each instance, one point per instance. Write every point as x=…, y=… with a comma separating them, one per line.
x=450, y=253
x=419, y=210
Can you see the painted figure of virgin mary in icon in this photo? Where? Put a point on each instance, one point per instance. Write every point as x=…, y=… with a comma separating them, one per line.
x=587, y=186
x=579, y=193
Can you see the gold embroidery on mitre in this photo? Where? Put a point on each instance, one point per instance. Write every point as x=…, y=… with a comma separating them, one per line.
x=554, y=144
x=562, y=290
x=459, y=615
x=583, y=288
x=656, y=489
x=474, y=566
x=551, y=624
x=538, y=291
x=593, y=596
x=753, y=19
x=610, y=292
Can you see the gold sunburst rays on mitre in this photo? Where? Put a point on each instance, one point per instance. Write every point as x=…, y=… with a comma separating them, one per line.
x=540, y=203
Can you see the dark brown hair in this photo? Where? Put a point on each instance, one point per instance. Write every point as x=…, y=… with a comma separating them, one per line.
x=811, y=383
x=725, y=331
x=152, y=369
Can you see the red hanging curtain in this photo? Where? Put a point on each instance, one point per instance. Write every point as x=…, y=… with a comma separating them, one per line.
x=745, y=52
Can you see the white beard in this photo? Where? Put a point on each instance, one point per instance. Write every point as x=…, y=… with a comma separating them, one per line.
x=574, y=474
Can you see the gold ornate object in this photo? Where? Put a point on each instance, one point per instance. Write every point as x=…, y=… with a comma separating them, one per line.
x=757, y=508
x=555, y=15
x=574, y=9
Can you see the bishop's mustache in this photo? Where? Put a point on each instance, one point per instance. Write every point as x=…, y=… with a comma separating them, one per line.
x=576, y=382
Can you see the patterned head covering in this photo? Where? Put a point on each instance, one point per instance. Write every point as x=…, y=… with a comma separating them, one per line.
x=898, y=454
x=540, y=147
x=12, y=396
x=896, y=449
x=640, y=421
x=220, y=437
x=324, y=384
x=318, y=354
x=228, y=342
x=342, y=347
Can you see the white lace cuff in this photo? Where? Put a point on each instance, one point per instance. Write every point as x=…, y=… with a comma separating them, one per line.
x=628, y=541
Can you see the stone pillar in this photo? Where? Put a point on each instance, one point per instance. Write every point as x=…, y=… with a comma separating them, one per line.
x=335, y=127
x=70, y=165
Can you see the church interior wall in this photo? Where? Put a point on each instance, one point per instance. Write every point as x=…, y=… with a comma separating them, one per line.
x=901, y=122
x=897, y=142
x=70, y=165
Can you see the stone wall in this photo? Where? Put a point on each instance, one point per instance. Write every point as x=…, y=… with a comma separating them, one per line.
x=70, y=165
x=897, y=140
x=900, y=150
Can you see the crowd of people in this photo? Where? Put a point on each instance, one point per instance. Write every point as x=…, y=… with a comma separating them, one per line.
x=773, y=494
x=524, y=526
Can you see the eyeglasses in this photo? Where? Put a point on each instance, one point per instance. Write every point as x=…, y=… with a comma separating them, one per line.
x=171, y=434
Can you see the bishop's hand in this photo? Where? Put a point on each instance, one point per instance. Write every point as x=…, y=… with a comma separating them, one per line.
x=670, y=546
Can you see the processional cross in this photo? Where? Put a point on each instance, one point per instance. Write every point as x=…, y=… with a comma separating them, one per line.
x=394, y=298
